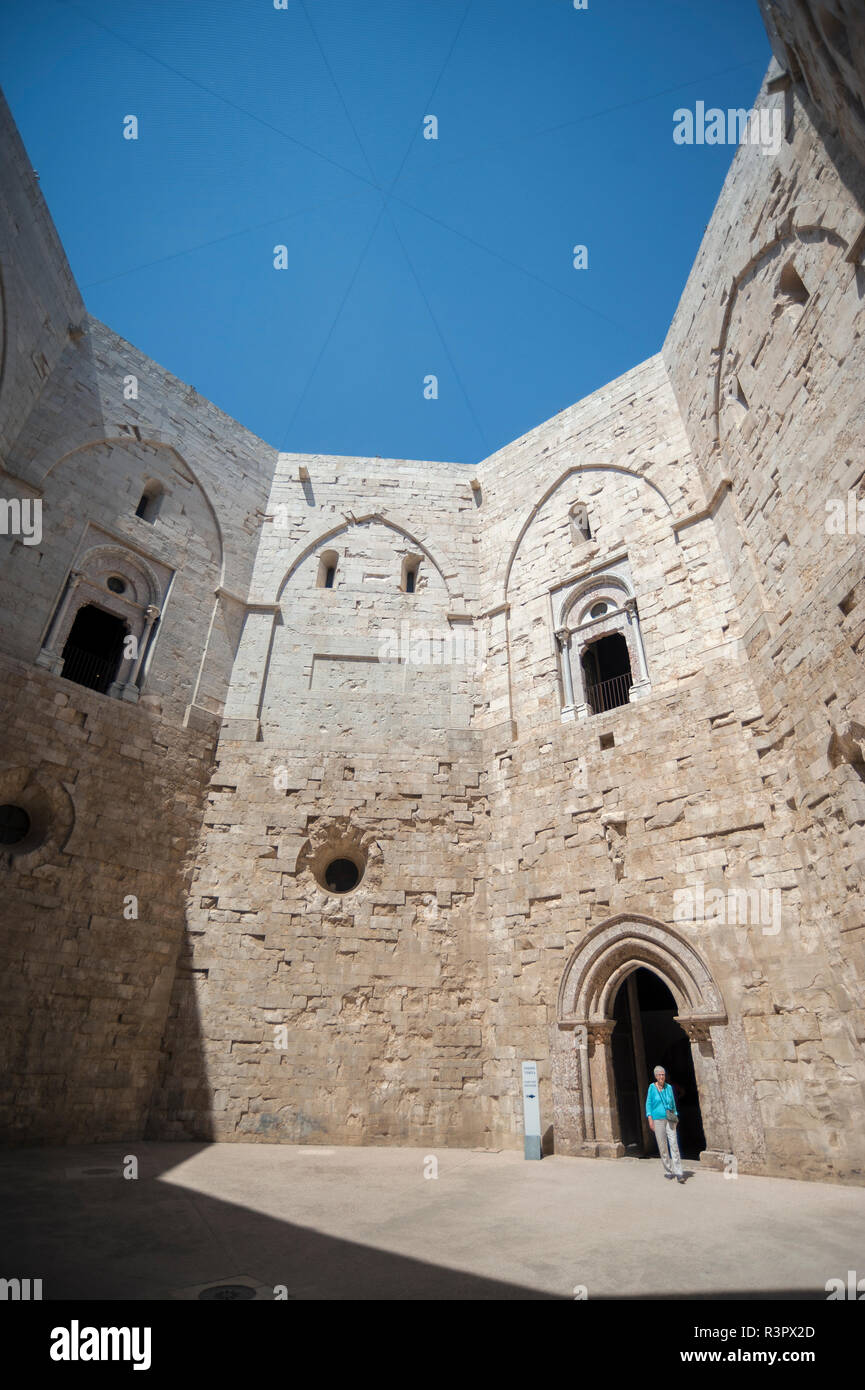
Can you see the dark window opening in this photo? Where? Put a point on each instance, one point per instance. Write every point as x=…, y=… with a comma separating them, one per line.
x=116, y=585
x=409, y=581
x=848, y=603
x=342, y=875
x=328, y=563
x=149, y=503
x=14, y=824
x=607, y=672
x=94, y=648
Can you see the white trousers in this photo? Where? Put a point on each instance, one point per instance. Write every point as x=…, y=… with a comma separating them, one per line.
x=666, y=1136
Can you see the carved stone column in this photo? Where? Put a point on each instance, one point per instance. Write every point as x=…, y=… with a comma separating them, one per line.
x=578, y=692
x=640, y=686
x=712, y=1111
x=129, y=688
x=49, y=656
x=568, y=1093
x=605, y=1111
x=563, y=637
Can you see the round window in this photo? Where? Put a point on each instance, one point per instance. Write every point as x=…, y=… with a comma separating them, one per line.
x=117, y=586
x=598, y=610
x=341, y=875
x=14, y=824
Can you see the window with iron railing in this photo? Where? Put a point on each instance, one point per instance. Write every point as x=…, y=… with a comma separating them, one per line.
x=608, y=694
x=607, y=673
x=94, y=648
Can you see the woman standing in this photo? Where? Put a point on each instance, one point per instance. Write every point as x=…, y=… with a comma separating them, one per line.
x=663, y=1116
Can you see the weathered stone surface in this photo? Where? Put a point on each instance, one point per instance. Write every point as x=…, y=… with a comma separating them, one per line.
x=375, y=662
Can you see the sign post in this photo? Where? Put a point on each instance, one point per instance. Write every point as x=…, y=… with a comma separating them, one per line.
x=531, y=1111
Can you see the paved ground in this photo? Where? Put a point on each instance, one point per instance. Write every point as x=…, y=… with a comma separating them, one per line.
x=366, y=1223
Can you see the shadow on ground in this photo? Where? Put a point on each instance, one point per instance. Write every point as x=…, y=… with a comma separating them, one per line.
x=74, y=1222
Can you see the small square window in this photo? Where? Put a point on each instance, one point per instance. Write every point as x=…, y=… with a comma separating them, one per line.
x=608, y=741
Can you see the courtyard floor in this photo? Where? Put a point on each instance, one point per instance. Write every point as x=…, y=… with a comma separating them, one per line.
x=348, y=1223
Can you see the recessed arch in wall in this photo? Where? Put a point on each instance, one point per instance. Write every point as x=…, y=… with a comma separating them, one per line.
x=578, y=602
x=346, y=525
x=47, y=462
x=789, y=250
x=578, y=469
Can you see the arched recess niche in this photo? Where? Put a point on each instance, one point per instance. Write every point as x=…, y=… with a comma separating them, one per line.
x=290, y=640
x=199, y=573
x=776, y=291
x=406, y=545
x=574, y=475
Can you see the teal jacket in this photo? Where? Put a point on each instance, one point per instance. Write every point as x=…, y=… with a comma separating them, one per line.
x=659, y=1102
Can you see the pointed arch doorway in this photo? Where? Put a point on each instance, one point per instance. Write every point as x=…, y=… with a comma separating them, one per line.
x=592, y=1087
x=647, y=1035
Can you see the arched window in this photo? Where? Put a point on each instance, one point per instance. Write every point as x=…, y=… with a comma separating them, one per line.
x=410, y=568
x=327, y=567
x=603, y=664
x=113, y=596
x=580, y=526
x=150, y=502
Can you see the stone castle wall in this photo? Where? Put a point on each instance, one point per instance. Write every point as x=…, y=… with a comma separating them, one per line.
x=773, y=403
x=518, y=853
x=348, y=730
x=94, y=896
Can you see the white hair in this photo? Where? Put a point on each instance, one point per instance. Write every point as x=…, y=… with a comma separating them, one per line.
x=657, y=1069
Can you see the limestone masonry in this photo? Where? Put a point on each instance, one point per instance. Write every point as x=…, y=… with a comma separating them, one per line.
x=334, y=788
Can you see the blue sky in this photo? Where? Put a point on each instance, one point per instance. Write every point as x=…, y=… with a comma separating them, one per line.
x=407, y=257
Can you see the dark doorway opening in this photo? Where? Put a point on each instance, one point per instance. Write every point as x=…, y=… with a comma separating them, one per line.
x=646, y=1036
x=607, y=670
x=94, y=648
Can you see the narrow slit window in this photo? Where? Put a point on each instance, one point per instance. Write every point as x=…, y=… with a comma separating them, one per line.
x=410, y=571
x=580, y=526
x=327, y=567
x=150, y=502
